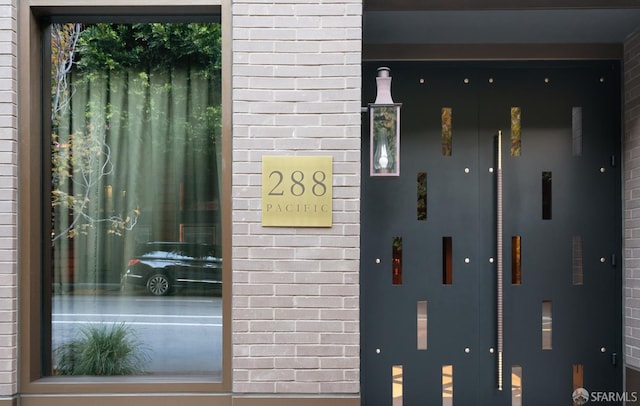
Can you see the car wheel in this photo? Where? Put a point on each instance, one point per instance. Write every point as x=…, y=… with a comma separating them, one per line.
x=158, y=285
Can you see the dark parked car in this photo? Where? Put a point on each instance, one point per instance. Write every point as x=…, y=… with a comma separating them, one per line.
x=162, y=267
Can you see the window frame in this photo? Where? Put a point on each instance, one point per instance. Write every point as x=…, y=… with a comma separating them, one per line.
x=33, y=18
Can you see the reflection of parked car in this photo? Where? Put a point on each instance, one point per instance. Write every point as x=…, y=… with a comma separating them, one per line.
x=160, y=267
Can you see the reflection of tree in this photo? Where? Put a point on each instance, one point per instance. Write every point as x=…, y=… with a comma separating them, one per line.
x=516, y=139
x=82, y=160
x=135, y=140
x=143, y=61
x=79, y=166
x=64, y=38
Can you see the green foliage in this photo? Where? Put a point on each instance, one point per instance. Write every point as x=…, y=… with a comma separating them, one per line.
x=156, y=46
x=87, y=56
x=100, y=351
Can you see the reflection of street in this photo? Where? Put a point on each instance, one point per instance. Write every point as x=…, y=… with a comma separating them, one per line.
x=182, y=334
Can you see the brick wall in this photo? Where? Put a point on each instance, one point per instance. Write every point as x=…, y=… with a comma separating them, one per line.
x=8, y=197
x=296, y=91
x=631, y=150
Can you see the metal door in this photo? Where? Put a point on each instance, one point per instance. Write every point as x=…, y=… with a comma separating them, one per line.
x=431, y=333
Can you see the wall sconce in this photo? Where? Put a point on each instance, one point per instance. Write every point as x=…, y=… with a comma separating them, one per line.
x=384, y=129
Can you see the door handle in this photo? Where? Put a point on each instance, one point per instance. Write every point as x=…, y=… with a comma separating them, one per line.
x=500, y=262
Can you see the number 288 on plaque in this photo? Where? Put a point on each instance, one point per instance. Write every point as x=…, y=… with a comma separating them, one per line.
x=297, y=191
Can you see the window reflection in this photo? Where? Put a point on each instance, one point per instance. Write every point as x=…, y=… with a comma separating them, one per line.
x=135, y=146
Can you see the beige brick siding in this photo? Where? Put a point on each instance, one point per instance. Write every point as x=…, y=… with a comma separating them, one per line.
x=8, y=197
x=296, y=91
x=632, y=200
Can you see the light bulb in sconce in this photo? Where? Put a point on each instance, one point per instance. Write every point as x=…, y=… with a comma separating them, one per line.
x=381, y=156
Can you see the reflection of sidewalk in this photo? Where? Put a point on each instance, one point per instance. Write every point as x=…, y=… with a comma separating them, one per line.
x=183, y=334
x=86, y=288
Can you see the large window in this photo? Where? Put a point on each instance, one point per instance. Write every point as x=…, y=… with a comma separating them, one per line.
x=132, y=278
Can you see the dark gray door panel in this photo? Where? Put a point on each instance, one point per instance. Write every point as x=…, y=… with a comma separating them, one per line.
x=583, y=231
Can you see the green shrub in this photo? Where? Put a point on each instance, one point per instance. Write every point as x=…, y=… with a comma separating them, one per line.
x=101, y=350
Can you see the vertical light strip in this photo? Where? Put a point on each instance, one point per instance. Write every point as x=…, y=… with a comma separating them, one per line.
x=516, y=385
x=396, y=262
x=516, y=260
x=577, y=255
x=422, y=325
x=447, y=132
x=500, y=265
x=576, y=130
x=396, y=385
x=546, y=195
x=447, y=385
x=447, y=260
x=580, y=395
x=421, y=182
x=547, y=324
x=516, y=131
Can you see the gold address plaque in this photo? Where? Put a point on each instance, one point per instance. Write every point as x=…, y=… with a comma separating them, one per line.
x=297, y=191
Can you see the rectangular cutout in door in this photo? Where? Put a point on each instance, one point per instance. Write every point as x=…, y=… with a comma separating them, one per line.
x=422, y=196
x=447, y=132
x=447, y=385
x=422, y=325
x=516, y=260
x=396, y=260
x=578, y=381
x=516, y=131
x=577, y=259
x=546, y=195
x=547, y=324
x=396, y=385
x=447, y=260
x=516, y=385
x=576, y=130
